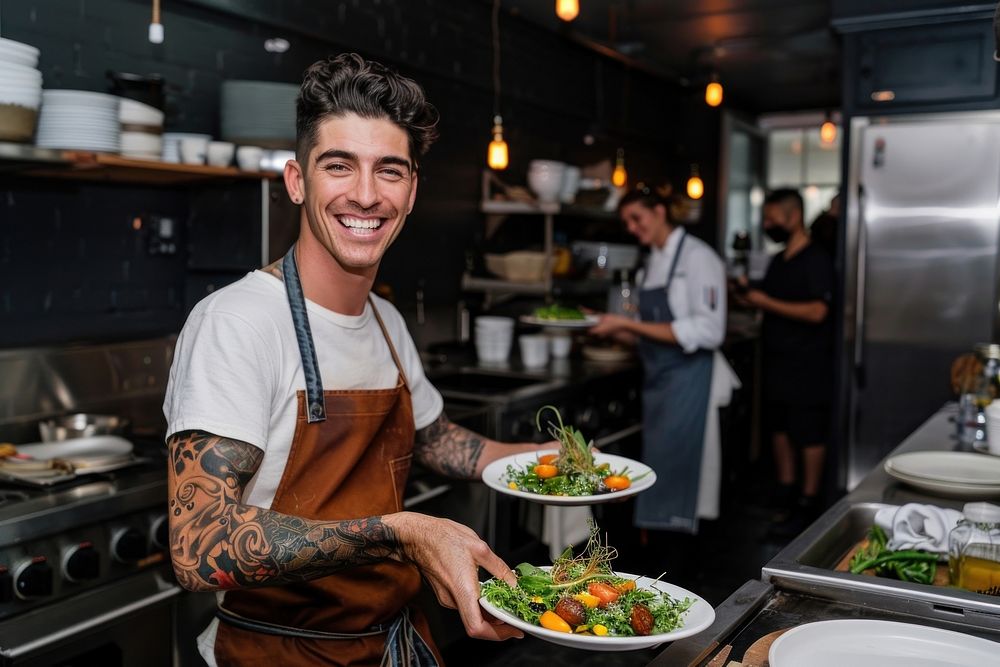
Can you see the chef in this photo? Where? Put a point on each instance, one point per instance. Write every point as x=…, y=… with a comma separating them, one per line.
x=297, y=402
x=681, y=323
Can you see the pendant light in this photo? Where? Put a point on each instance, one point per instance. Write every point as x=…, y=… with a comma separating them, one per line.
x=695, y=186
x=497, y=156
x=619, y=176
x=827, y=131
x=567, y=10
x=155, y=27
x=713, y=92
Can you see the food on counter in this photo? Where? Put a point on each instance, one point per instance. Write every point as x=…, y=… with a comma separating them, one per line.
x=910, y=565
x=557, y=312
x=571, y=472
x=7, y=449
x=582, y=595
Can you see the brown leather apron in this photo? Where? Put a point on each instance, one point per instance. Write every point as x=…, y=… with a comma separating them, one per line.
x=349, y=462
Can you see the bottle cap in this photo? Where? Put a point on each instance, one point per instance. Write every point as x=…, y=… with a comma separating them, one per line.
x=982, y=512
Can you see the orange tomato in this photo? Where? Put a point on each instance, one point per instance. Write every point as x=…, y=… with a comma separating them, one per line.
x=551, y=621
x=617, y=482
x=626, y=586
x=548, y=458
x=603, y=592
x=546, y=470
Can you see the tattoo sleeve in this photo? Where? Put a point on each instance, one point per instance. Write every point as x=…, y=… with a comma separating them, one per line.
x=448, y=448
x=218, y=542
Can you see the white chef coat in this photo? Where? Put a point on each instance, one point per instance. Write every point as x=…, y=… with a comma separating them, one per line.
x=697, y=295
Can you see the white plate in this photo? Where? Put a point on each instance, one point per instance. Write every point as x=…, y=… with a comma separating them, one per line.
x=698, y=617
x=870, y=643
x=950, y=489
x=587, y=322
x=81, y=451
x=960, y=467
x=495, y=473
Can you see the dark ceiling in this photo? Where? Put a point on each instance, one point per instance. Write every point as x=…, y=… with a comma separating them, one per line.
x=771, y=55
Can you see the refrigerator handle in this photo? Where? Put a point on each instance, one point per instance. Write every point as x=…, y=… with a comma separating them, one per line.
x=859, y=296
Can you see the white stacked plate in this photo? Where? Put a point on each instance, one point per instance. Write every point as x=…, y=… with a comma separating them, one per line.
x=172, y=144
x=261, y=113
x=79, y=120
x=20, y=90
x=142, y=130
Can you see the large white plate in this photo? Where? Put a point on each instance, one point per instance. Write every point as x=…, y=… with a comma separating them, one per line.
x=870, y=643
x=495, y=473
x=949, y=489
x=587, y=322
x=698, y=617
x=959, y=467
x=85, y=452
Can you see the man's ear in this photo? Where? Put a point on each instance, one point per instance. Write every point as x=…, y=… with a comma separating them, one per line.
x=294, y=182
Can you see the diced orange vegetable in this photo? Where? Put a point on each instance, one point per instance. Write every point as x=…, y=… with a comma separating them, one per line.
x=512, y=485
x=589, y=601
x=626, y=586
x=599, y=630
x=617, y=482
x=605, y=593
x=546, y=470
x=548, y=458
x=551, y=621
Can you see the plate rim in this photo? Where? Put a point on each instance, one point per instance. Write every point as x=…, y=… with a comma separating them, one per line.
x=614, y=643
x=971, y=457
x=587, y=322
x=500, y=465
x=884, y=631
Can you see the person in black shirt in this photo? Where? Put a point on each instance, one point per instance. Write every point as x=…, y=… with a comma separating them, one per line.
x=797, y=338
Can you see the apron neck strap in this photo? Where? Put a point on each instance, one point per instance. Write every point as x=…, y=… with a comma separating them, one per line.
x=677, y=256
x=315, y=401
x=388, y=339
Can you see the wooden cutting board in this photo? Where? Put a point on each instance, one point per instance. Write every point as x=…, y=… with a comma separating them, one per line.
x=756, y=655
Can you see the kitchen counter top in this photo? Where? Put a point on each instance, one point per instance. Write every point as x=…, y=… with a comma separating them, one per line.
x=799, y=584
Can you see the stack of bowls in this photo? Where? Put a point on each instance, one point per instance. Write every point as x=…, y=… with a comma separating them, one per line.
x=259, y=113
x=494, y=337
x=20, y=90
x=142, y=130
x=545, y=178
x=79, y=120
x=172, y=144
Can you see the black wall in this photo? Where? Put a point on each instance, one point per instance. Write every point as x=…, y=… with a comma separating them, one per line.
x=553, y=92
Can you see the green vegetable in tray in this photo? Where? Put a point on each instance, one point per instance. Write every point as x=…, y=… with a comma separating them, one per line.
x=911, y=565
x=557, y=312
x=582, y=595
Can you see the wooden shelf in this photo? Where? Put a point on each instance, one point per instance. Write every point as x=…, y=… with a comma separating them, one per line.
x=82, y=165
x=496, y=286
x=518, y=207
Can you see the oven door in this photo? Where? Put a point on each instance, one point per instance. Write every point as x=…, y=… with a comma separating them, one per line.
x=127, y=622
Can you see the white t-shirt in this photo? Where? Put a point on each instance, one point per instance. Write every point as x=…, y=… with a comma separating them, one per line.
x=237, y=368
x=697, y=295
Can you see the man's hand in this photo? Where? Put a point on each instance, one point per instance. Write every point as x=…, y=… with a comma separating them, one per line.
x=449, y=556
x=610, y=325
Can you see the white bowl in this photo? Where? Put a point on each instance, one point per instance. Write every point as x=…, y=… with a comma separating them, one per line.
x=248, y=157
x=193, y=150
x=546, y=184
x=18, y=53
x=220, y=153
x=546, y=164
x=137, y=113
x=13, y=68
x=141, y=142
x=560, y=345
x=21, y=97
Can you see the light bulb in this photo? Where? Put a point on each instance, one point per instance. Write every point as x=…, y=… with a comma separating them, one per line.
x=567, y=10
x=695, y=187
x=828, y=132
x=618, y=176
x=713, y=94
x=496, y=155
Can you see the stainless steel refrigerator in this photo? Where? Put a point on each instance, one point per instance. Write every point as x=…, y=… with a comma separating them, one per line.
x=920, y=264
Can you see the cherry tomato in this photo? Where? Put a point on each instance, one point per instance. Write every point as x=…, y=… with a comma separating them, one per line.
x=546, y=470
x=626, y=586
x=603, y=592
x=551, y=621
x=548, y=458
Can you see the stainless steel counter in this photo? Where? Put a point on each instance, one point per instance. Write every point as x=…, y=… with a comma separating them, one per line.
x=800, y=584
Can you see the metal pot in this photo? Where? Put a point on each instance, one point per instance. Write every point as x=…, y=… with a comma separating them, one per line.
x=145, y=88
x=80, y=425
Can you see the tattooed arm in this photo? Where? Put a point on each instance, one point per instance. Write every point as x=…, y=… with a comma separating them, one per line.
x=454, y=451
x=218, y=542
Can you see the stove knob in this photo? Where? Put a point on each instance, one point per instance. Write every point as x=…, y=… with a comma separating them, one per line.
x=128, y=545
x=6, y=585
x=33, y=578
x=159, y=533
x=81, y=563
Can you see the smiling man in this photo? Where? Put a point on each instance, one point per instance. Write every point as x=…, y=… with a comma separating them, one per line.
x=297, y=402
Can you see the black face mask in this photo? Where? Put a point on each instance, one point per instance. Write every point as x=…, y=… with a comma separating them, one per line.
x=777, y=234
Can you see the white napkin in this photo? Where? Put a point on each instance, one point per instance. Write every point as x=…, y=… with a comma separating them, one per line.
x=917, y=526
x=563, y=526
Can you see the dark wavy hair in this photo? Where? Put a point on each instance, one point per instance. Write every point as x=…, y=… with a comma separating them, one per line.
x=347, y=84
x=650, y=196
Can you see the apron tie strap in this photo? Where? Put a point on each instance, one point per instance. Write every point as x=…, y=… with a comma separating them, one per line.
x=404, y=647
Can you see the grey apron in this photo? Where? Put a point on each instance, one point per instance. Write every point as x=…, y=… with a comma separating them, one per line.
x=674, y=405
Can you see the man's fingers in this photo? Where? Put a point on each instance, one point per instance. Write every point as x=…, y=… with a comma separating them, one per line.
x=495, y=566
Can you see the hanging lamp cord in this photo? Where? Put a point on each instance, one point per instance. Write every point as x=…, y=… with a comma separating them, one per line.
x=496, y=57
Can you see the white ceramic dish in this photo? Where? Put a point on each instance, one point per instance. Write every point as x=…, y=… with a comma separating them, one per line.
x=958, y=467
x=950, y=489
x=872, y=643
x=494, y=476
x=698, y=617
x=587, y=322
x=84, y=450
